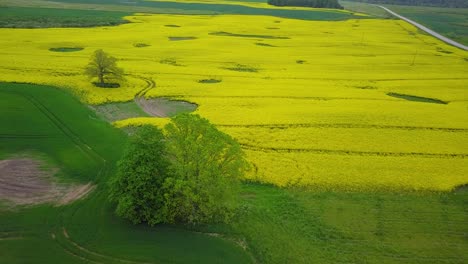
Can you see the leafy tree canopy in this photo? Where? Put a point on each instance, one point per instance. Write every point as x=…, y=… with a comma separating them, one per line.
x=137, y=187
x=206, y=166
x=103, y=67
x=190, y=175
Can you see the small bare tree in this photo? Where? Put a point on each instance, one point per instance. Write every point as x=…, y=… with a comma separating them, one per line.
x=104, y=67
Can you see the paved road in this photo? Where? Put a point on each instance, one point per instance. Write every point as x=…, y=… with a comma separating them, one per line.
x=429, y=31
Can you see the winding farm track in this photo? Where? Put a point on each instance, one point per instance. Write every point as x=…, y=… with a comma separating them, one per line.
x=427, y=30
x=74, y=249
x=140, y=99
x=85, y=148
x=150, y=84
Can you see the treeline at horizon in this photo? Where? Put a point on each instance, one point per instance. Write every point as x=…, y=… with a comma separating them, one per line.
x=435, y=3
x=307, y=3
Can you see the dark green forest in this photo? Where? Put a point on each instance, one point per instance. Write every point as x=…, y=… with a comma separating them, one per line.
x=439, y=3
x=307, y=3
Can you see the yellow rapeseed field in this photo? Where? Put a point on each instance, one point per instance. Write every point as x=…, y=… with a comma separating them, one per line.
x=308, y=100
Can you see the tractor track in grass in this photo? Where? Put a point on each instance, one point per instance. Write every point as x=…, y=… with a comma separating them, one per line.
x=71, y=247
x=83, y=147
x=346, y=126
x=5, y=235
x=65, y=129
x=14, y=136
x=355, y=152
x=77, y=250
x=42, y=190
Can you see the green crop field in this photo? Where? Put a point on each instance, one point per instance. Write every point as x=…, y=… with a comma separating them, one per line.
x=46, y=121
x=28, y=17
x=355, y=227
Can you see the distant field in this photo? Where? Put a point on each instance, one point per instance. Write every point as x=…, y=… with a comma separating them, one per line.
x=195, y=7
x=23, y=17
x=450, y=22
x=365, y=8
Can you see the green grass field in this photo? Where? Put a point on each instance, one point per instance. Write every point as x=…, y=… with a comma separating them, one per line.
x=355, y=227
x=26, y=17
x=275, y=225
x=51, y=122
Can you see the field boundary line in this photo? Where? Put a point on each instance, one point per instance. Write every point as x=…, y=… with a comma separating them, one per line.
x=355, y=152
x=312, y=98
x=344, y=125
x=31, y=136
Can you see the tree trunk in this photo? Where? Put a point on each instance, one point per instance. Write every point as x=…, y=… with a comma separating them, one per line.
x=101, y=78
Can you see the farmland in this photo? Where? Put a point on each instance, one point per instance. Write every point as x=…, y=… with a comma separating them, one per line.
x=356, y=129
x=302, y=99
x=325, y=226
x=24, y=17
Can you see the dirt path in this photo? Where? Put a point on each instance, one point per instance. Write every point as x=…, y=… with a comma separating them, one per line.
x=150, y=106
x=143, y=103
x=160, y=107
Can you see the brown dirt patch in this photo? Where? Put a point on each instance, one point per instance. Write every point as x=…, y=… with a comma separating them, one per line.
x=118, y=111
x=163, y=107
x=25, y=181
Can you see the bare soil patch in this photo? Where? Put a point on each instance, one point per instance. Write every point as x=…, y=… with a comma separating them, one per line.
x=26, y=181
x=118, y=111
x=163, y=107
